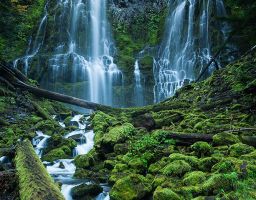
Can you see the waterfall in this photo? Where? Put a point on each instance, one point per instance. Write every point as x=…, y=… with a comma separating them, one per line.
x=187, y=43
x=79, y=51
x=138, y=91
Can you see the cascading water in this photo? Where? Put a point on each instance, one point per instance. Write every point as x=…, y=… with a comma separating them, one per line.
x=79, y=50
x=187, y=43
x=138, y=91
x=62, y=170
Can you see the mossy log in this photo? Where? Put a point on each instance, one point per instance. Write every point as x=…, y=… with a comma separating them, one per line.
x=34, y=180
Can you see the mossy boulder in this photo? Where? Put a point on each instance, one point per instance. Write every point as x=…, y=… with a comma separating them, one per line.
x=132, y=187
x=220, y=182
x=63, y=152
x=159, y=165
x=201, y=148
x=192, y=160
x=138, y=164
x=239, y=149
x=194, y=178
x=228, y=164
x=118, y=134
x=85, y=191
x=48, y=127
x=86, y=161
x=225, y=138
x=165, y=193
x=176, y=168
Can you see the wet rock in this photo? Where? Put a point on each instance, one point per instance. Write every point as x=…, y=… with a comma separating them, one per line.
x=85, y=191
x=61, y=165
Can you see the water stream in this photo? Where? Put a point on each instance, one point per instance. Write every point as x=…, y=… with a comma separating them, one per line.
x=62, y=170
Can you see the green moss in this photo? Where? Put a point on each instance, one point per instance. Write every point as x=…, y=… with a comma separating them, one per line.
x=176, y=168
x=118, y=134
x=131, y=187
x=192, y=160
x=202, y=148
x=86, y=161
x=194, y=178
x=239, y=149
x=34, y=180
x=63, y=152
x=138, y=164
x=251, y=156
x=225, y=138
x=101, y=122
x=167, y=117
x=220, y=182
x=165, y=193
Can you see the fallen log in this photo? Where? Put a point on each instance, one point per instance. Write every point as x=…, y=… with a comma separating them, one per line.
x=34, y=180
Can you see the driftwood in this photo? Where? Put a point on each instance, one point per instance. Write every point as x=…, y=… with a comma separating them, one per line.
x=17, y=79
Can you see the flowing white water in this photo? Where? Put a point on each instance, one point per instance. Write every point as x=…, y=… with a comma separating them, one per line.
x=186, y=47
x=138, y=91
x=62, y=170
x=40, y=142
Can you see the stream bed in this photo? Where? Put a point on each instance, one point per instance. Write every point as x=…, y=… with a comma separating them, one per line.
x=62, y=170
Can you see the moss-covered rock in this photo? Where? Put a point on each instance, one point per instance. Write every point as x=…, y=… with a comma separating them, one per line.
x=220, y=182
x=225, y=138
x=192, y=160
x=63, y=152
x=239, y=149
x=202, y=148
x=85, y=191
x=131, y=187
x=176, y=168
x=86, y=161
x=117, y=134
x=194, y=178
x=165, y=193
x=138, y=164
